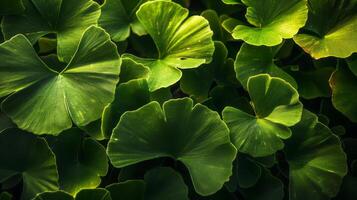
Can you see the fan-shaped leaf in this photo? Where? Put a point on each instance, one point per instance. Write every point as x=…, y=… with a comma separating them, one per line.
x=29, y=156
x=81, y=161
x=333, y=26
x=195, y=136
x=272, y=21
x=316, y=160
x=182, y=42
x=79, y=93
x=277, y=107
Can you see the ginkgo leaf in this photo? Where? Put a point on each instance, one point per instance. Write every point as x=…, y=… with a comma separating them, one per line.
x=194, y=135
x=68, y=19
x=80, y=161
x=182, y=42
x=78, y=93
x=332, y=27
x=277, y=107
x=253, y=60
x=118, y=18
x=271, y=21
x=24, y=154
x=316, y=160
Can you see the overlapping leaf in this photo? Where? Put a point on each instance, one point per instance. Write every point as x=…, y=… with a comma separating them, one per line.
x=28, y=156
x=80, y=161
x=277, y=107
x=271, y=21
x=195, y=136
x=316, y=160
x=332, y=27
x=66, y=18
x=57, y=98
x=182, y=42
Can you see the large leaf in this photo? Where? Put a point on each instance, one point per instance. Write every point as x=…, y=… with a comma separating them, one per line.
x=10, y=7
x=252, y=60
x=332, y=27
x=195, y=136
x=78, y=93
x=80, y=161
x=316, y=160
x=30, y=157
x=118, y=18
x=344, y=85
x=272, y=21
x=66, y=18
x=182, y=42
x=277, y=107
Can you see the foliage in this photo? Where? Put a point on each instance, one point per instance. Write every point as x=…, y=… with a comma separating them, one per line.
x=178, y=99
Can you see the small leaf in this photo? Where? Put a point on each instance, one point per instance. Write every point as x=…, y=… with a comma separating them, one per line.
x=128, y=96
x=29, y=156
x=118, y=18
x=277, y=107
x=195, y=136
x=272, y=21
x=81, y=161
x=252, y=60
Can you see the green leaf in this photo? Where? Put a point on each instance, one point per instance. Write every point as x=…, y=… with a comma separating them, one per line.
x=81, y=161
x=277, y=107
x=10, y=7
x=272, y=21
x=128, y=96
x=165, y=183
x=195, y=136
x=182, y=42
x=131, y=70
x=316, y=160
x=252, y=60
x=332, y=27
x=268, y=187
x=24, y=154
x=344, y=84
x=68, y=19
x=131, y=189
x=118, y=18
x=79, y=93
